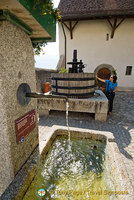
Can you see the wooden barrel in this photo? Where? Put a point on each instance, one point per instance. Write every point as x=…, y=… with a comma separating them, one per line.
x=74, y=85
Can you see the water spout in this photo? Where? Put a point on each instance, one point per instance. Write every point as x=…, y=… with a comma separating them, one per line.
x=41, y=95
x=24, y=94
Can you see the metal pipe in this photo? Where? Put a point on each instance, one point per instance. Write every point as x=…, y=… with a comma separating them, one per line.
x=65, y=42
x=24, y=95
x=41, y=95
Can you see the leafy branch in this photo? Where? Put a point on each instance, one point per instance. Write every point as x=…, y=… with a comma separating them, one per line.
x=63, y=70
x=46, y=7
x=38, y=47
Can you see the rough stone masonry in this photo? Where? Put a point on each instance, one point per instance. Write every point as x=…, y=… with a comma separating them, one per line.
x=16, y=67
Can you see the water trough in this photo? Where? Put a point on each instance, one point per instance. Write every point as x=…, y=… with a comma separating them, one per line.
x=120, y=190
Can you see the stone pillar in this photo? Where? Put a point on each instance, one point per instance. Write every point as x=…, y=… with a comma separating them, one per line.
x=16, y=67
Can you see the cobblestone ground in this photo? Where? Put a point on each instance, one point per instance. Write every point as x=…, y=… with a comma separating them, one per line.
x=120, y=123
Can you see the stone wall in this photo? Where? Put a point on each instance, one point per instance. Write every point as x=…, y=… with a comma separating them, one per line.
x=16, y=67
x=43, y=76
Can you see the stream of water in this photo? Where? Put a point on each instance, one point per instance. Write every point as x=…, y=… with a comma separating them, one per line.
x=67, y=123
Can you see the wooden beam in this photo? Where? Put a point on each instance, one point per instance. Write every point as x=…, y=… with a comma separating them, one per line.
x=120, y=22
x=115, y=25
x=66, y=26
x=70, y=27
x=71, y=31
x=110, y=22
x=75, y=24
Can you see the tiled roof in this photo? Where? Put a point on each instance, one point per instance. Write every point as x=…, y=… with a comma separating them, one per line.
x=88, y=9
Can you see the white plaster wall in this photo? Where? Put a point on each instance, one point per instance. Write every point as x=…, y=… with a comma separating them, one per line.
x=89, y=38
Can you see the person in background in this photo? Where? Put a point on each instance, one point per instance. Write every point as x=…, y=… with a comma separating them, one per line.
x=111, y=88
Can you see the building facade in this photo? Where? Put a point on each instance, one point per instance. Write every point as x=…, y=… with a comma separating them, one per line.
x=104, y=41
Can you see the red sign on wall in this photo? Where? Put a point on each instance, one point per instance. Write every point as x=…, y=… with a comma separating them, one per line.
x=24, y=125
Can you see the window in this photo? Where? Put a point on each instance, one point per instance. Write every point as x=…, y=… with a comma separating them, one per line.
x=128, y=70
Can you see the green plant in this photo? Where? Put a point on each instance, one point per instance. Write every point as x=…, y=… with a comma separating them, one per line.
x=47, y=7
x=114, y=72
x=38, y=47
x=63, y=70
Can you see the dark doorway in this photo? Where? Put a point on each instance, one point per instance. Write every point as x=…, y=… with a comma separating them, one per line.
x=103, y=73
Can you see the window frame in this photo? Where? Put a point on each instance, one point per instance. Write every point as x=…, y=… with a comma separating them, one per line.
x=128, y=70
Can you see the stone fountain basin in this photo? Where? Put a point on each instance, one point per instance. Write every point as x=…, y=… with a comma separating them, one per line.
x=27, y=174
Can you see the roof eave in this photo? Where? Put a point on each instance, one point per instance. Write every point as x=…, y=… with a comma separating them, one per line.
x=48, y=22
x=80, y=18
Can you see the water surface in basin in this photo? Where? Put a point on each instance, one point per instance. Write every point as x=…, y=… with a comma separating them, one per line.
x=77, y=173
